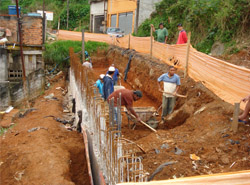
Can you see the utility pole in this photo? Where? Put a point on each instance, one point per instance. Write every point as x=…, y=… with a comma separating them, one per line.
x=44, y=29
x=137, y=16
x=105, y=17
x=25, y=90
x=67, y=14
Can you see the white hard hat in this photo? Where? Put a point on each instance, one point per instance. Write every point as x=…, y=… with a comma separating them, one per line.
x=112, y=69
x=102, y=76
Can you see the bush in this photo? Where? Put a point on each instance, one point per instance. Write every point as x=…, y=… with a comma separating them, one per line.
x=58, y=52
x=208, y=20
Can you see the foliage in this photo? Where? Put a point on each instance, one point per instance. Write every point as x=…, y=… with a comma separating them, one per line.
x=58, y=52
x=4, y=6
x=78, y=11
x=208, y=20
x=78, y=14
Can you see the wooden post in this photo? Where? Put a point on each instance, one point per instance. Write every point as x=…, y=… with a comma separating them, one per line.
x=67, y=14
x=58, y=25
x=83, y=47
x=137, y=16
x=187, y=55
x=129, y=41
x=236, y=117
x=151, y=41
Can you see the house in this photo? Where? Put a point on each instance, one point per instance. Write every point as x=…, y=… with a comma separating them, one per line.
x=119, y=13
x=11, y=72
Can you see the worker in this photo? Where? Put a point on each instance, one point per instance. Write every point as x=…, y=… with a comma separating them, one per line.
x=116, y=74
x=162, y=33
x=243, y=117
x=182, y=38
x=171, y=83
x=127, y=99
x=108, y=84
x=87, y=64
x=99, y=83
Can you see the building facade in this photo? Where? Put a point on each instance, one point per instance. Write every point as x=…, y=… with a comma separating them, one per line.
x=119, y=13
x=11, y=91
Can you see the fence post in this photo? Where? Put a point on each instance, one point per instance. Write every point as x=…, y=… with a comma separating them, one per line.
x=129, y=41
x=83, y=47
x=151, y=41
x=236, y=117
x=187, y=55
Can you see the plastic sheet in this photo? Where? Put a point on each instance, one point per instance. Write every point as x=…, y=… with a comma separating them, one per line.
x=230, y=82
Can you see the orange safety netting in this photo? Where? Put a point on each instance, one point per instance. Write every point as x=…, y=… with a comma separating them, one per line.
x=230, y=82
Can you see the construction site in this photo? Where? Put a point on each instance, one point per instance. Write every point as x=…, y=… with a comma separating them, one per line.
x=58, y=128
x=196, y=140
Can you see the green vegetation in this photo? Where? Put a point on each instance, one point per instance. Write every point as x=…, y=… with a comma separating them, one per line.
x=208, y=20
x=78, y=11
x=4, y=130
x=58, y=52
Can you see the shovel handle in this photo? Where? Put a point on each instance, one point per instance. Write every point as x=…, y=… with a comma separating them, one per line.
x=142, y=122
x=179, y=95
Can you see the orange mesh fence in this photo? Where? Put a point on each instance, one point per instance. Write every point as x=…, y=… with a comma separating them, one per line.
x=228, y=81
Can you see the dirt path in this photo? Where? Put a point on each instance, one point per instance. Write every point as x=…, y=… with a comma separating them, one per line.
x=50, y=155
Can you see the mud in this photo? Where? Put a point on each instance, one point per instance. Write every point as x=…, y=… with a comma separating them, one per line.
x=51, y=155
x=199, y=124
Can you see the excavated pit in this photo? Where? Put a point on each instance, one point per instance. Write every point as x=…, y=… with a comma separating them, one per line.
x=199, y=124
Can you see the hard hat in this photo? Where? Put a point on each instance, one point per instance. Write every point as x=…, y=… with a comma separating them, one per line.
x=102, y=76
x=111, y=69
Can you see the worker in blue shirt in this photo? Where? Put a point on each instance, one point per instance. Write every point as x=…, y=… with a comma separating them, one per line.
x=108, y=84
x=116, y=74
x=99, y=83
x=171, y=84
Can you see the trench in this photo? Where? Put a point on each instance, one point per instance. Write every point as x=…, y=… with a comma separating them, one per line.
x=197, y=120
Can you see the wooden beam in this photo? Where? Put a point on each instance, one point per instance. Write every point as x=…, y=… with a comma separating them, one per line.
x=230, y=178
x=34, y=52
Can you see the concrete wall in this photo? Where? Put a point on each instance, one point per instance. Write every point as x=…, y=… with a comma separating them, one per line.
x=3, y=65
x=11, y=93
x=97, y=8
x=146, y=8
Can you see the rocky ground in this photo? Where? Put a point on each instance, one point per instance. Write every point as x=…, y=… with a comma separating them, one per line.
x=38, y=150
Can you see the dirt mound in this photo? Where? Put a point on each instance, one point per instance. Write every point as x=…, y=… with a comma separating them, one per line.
x=242, y=58
x=47, y=154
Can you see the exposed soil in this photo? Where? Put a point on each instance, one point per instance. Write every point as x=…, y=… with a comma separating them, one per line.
x=241, y=58
x=49, y=155
x=199, y=125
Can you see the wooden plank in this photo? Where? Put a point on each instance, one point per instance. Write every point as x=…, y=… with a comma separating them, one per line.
x=187, y=55
x=236, y=117
x=34, y=52
x=230, y=178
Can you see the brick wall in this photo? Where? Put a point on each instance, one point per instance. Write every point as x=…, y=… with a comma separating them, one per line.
x=31, y=29
x=10, y=22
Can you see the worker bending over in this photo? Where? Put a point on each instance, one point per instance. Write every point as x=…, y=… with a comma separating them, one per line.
x=171, y=83
x=127, y=99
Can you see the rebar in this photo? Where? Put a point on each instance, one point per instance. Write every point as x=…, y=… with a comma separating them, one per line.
x=116, y=157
